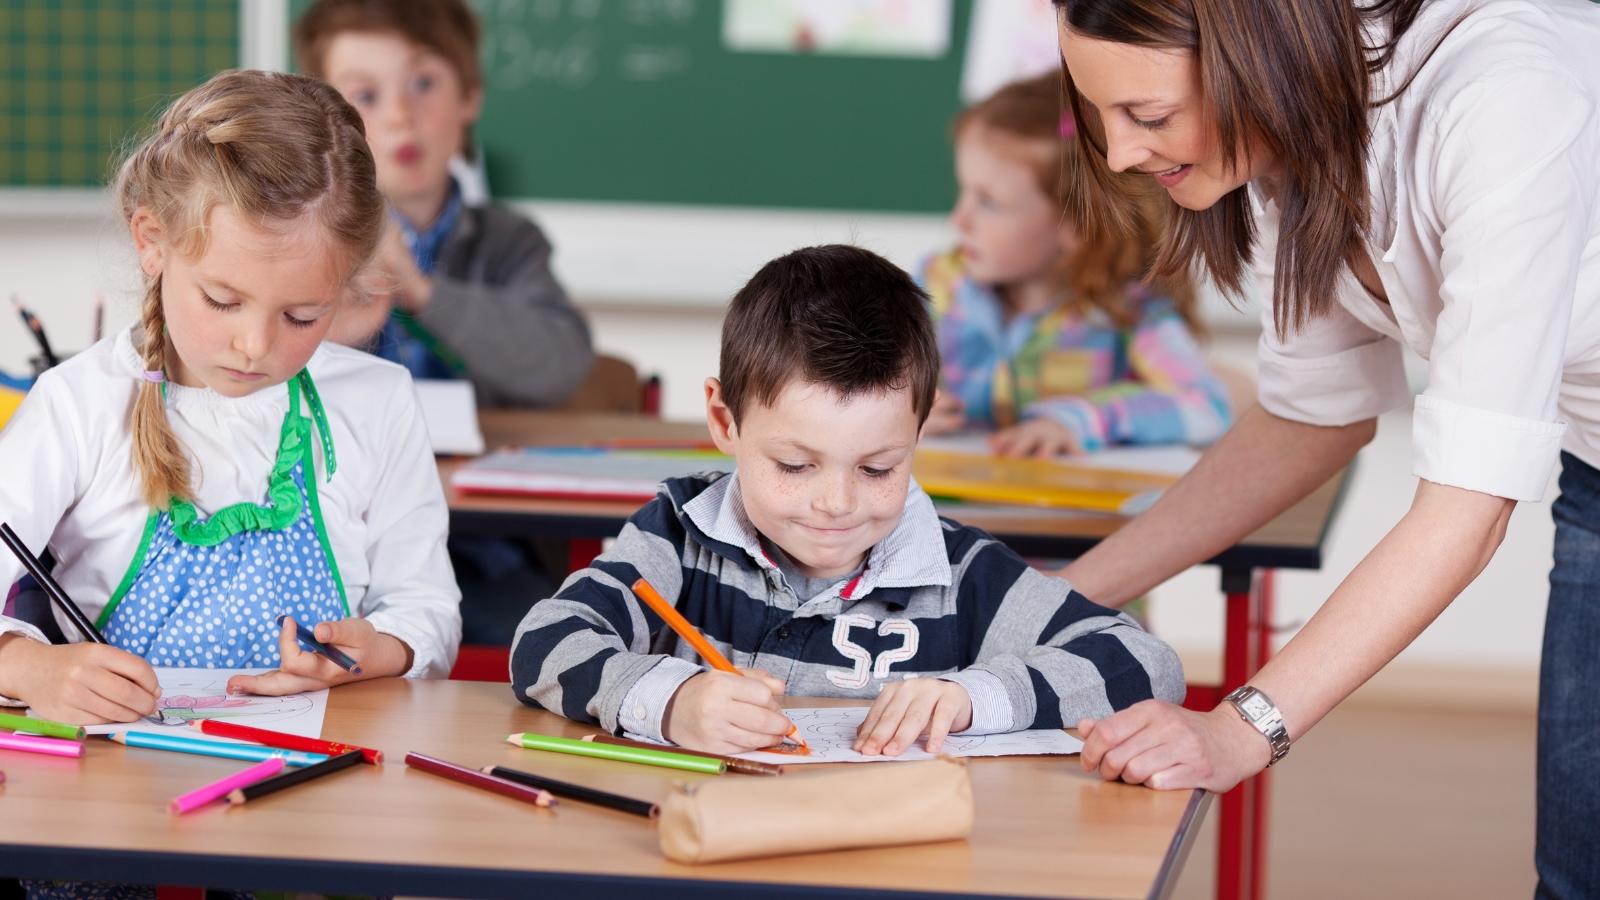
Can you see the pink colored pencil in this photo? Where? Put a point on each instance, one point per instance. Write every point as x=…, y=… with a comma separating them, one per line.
x=31, y=744
x=220, y=788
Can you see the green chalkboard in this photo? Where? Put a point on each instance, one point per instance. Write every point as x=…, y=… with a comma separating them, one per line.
x=641, y=101
x=80, y=80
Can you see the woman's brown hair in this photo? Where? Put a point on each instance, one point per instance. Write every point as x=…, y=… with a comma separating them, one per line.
x=275, y=148
x=1291, y=77
x=1097, y=272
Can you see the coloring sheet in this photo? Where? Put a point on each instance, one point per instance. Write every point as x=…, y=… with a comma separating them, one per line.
x=188, y=695
x=830, y=730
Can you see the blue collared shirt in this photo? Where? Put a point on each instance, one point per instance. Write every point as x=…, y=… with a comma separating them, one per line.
x=402, y=344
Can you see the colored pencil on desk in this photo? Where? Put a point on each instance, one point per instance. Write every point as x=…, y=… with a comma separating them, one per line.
x=474, y=778
x=225, y=729
x=734, y=763
x=51, y=586
x=201, y=796
x=337, y=656
x=177, y=743
x=43, y=727
x=328, y=766
x=28, y=743
x=645, y=757
x=578, y=792
x=645, y=591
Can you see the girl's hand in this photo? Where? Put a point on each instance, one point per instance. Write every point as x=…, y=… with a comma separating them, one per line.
x=946, y=415
x=303, y=670
x=726, y=712
x=1036, y=437
x=907, y=710
x=1171, y=748
x=80, y=684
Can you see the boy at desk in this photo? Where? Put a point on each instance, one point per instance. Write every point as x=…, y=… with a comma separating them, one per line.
x=819, y=567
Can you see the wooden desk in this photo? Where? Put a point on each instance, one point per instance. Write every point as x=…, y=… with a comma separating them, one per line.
x=1293, y=540
x=1044, y=828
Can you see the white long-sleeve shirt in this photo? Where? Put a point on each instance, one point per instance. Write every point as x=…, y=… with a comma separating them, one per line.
x=1484, y=181
x=67, y=481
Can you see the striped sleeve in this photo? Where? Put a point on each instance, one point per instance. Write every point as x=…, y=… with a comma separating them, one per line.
x=1171, y=396
x=580, y=652
x=1059, y=656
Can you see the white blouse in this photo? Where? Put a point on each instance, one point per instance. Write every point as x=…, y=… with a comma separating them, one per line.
x=69, y=482
x=1484, y=179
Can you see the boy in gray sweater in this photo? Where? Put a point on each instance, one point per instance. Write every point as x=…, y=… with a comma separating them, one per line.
x=819, y=566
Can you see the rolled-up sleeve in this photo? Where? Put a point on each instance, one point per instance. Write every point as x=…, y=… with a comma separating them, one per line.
x=1334, y=370
x=1515, y=181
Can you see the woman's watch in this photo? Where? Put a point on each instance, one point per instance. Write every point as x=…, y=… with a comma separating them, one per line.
x=1262, y=714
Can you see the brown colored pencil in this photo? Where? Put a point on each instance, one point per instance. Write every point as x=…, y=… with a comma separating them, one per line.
x=477, y=779
x=734, y=763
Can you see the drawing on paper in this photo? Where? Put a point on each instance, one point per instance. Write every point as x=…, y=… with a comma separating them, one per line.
x=189, y=695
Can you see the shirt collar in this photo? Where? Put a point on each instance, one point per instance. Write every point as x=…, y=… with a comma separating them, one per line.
x=425, y=244
x=912, y=555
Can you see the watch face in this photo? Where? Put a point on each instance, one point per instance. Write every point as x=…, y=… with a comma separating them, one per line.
x=1255, y=706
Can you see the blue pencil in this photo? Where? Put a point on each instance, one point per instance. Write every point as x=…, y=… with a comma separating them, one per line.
x=226, y=750
x=309, y=638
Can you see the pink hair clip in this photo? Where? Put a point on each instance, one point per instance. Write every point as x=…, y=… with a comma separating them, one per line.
x=154, y=377
x=1068, y=125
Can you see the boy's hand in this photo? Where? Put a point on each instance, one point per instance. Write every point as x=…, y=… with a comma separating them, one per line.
x=1036, y=437
x=907, y=710
x=721, y=712
x=359, y=319
x=304, y=670
x=946, y=415
x=397, y=269
x=80, y=684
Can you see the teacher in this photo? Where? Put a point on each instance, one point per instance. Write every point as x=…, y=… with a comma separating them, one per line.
x=1405, y=174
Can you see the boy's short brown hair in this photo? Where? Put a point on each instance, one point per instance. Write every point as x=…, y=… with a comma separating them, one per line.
x=447, y=27
x=833, y=315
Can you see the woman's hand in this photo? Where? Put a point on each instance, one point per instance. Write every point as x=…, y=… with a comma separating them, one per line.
x=303, y=670
x=1036, y=437
x=1170, y=748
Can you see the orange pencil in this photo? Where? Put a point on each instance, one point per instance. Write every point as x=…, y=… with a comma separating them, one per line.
x=675, y=620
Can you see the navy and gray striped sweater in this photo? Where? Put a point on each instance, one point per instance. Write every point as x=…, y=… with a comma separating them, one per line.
x=935, y=599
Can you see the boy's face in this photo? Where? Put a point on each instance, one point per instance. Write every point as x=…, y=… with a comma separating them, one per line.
x=414, y=105
x=822, y=477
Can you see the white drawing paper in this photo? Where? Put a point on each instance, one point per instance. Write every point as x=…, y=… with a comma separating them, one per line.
x=830, y=730
x=189, y=695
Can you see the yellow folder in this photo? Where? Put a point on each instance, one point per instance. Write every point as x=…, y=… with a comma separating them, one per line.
x=1036, y=482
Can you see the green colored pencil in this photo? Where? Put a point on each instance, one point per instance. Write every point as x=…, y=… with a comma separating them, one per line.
x=41, y=726
x=530, y=741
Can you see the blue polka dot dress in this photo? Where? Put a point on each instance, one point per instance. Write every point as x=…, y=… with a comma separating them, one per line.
x=207, y=593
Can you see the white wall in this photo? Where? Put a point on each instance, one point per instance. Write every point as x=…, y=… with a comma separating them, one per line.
x=654, y=281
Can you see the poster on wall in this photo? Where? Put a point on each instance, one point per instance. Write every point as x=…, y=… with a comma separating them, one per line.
x=1009, y=40
x=896, y=28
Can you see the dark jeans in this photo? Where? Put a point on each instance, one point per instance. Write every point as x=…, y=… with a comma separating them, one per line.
x=500, y=579
x=1567, y=849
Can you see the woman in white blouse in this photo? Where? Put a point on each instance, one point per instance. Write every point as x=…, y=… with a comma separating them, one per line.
x=1411, y=173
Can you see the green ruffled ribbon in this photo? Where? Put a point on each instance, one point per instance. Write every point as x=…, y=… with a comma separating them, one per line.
x=284, y=506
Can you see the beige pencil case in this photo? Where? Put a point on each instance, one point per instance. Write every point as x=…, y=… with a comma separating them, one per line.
x=863, y=805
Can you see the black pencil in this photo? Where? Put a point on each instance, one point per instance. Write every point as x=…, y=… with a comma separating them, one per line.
x=32, y=321
x=576, y=792
x=291, y=778
x=50, y=585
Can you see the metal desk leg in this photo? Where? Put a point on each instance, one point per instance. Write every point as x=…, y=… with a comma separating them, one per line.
x=1242, y=825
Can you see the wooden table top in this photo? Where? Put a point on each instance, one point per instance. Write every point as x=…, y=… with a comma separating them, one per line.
x=1044, y=828
x=1292, y=540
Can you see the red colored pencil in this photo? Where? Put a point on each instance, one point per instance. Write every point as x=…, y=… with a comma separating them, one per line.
x=283, y=741
x=474, y=778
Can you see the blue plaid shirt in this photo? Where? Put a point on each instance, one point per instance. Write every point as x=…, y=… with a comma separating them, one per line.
x=399, y=341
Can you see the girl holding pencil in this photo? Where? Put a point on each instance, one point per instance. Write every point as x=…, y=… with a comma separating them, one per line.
x=217, y=467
